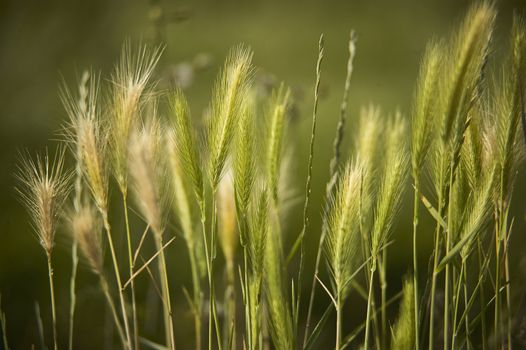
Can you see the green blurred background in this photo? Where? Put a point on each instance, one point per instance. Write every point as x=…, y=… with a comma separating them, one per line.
x=45, y=42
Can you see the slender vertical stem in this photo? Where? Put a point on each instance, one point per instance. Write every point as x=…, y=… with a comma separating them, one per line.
x=106, y=291
x=72, y=293
x=230, y=306
x=338, y=322
x=308, y=185
x=131, y=266
x=197, y=297
x=53, y=308
x=466, y=301
x=107, y=228
x=74, y=248
x=497, y=283
x=482, y=299
x=167, y=305
x=369, y=303
x=415, y=257
x=448, y=243
x=213, y=252
x=457, y=303
x=500, y=220
x=435, y=262
x=446, y=298
x=433, y=288
x=383, y=286
x=508, y=297
x=333, y=171
x=208, y=270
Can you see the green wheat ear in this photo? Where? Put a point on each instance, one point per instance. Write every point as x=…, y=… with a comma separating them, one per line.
x=462, y=68
x=368, y=150
x=278, y=109
x=391, y=183
x=148, y=172
x=342, y=222
x=423, y=110
x=130, y=83
x=230, y=93
x=245, y=162
x=403, y=332
x=185, y=142
x=279, y=311
x=509, y=107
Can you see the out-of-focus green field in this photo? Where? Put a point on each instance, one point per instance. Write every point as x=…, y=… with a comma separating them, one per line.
x=45, y=42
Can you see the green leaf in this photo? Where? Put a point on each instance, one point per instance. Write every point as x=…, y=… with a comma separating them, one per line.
x=434, y=213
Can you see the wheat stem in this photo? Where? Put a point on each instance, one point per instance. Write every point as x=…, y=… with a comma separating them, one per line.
x=338, y=322
x=197, y=303
x=369, y=306
x=72, y=292
x=436, y=255
x=213, y=249
x=53, y=307
x=457, y=302
x=508, y=298
x=333, y=172
x=113, y=310
x=415, y=256
x=299, y=241
x=208, y=270
x=448, y=246
x=383, y=287
x=466, y=319
x=167, y=305
x=482, y=297
x=498, y=234
x=131, y=266
x=433, y=286
x=107, y=228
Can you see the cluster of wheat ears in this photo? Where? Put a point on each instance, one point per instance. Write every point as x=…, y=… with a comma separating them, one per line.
x=223, y=188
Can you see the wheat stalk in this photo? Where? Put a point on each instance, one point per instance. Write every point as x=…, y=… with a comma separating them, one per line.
x=43, y=189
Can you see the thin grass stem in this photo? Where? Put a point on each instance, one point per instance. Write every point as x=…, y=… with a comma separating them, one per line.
x=106, y=291
x=53, y=307
x=416, y=204
x=107, y=228
x=466, y=302
x=165, y=290
x=338, y=322
x=369, y=307
x=333, y=172
x=72, y=290
x=131, y=266
x=383, y=288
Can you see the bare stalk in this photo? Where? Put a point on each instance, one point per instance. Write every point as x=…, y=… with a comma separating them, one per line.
x=383, y=288
x=369, y=304
x=72, y=293
x=53, y=308
x=111, y=304
x=508, y=297
x=107, y=228
x=436, y=255
x=338, y=323
x=197, y=303
x=131, y=266
x=333, y=172
x=466, y=319
x=167, y=305
x=415, y=256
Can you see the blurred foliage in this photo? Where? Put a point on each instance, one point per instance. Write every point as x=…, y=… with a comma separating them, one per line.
x=43, y=43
